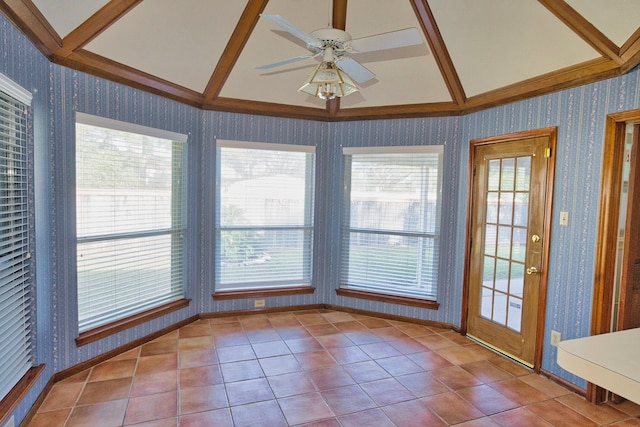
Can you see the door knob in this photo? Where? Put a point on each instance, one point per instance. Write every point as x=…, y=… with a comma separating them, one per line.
x=532, y=270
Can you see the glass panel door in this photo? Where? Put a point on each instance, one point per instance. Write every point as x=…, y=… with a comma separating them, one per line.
x=506, y=278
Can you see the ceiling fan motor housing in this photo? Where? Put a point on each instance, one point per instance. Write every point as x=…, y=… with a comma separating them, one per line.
x=332, y=37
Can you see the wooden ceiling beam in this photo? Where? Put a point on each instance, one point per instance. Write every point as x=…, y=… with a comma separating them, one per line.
x=572, y=76
x=89, y=62
x=261, y=108
x=440, y=52
x=339, y=21
x=630, y=47
x=231, y=53
x=630, y=51
x=333, y=106
x=583, y=28
x=443, y=109
x=339, y=14
x=95, y=25
x=435, y=109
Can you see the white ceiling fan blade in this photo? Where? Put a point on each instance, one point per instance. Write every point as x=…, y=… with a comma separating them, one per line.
x=394, y=39
x=284, y=62
x=356, y=70
x=302, y=35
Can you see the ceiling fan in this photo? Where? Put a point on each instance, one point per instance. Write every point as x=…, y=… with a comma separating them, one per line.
x=333, y=77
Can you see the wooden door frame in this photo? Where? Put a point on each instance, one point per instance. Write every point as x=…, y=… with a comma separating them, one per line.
x=606, y=245
x=551, y=133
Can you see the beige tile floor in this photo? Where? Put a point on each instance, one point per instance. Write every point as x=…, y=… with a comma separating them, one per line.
x=317, y=368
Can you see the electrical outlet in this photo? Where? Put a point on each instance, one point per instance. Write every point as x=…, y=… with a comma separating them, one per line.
x=258, y=303
x=11, y=422
x=564, y=218
x=555, y=338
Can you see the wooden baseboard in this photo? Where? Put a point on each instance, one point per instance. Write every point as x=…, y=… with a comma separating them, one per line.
x=388, y=298
x=329, y=307
x=19, y=391
x=119, y=350
x=36, y=405
x=263, y=293
x=564, y=383
x=214, y=315
x=392, y=317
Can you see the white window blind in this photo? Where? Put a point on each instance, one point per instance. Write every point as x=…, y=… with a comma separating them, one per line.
x=130, y=218
x=392, y=220
x=264, y=223
x=15, y=276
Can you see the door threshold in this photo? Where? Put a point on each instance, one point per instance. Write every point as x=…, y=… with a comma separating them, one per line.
x=500, y=351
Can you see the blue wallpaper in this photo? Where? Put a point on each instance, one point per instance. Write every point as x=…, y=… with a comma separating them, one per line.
x=578, y=113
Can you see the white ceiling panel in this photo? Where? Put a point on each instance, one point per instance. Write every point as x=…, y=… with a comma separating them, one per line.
x=167, y=39
x=617, y=19
x=407, y=75
x=268, y=44
x=400, y=82
x=495, y=43
x=65, y=15
x=367, y=17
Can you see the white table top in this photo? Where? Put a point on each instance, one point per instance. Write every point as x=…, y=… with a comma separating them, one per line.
x=611, y=361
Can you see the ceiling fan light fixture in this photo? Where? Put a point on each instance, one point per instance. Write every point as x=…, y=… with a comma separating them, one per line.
x=328, y=81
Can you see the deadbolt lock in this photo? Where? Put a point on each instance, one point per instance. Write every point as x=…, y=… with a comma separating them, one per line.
x=535, y=238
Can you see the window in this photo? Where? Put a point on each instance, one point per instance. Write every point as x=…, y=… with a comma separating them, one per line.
x=15, y=267
x=130, y=212
x=392, y=220
x=264, y=223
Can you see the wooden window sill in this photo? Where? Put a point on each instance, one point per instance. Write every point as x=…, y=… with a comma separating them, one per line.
x=120, y=325
x=388, y=298
x=266, y=292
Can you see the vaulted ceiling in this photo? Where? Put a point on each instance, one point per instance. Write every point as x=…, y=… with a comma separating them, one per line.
x=475, y=53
